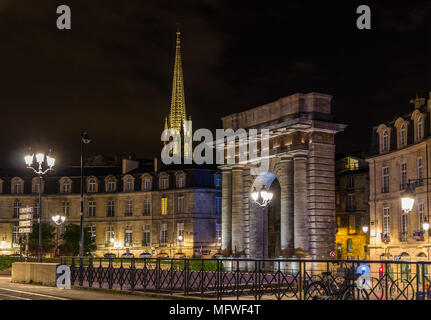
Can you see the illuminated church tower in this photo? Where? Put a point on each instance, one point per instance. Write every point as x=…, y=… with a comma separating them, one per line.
x=177, y=116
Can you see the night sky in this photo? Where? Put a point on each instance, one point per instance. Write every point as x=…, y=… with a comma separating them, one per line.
x=112, y=73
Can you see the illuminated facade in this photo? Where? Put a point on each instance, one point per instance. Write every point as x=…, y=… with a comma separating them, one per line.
x=164, y=211
x=400, y=152
x=352, y=211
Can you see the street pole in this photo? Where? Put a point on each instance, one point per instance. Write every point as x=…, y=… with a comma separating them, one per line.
x=81, y=240
x=40, y=259
x=85, y=139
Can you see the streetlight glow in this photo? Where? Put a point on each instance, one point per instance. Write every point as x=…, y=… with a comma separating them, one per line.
x=407, y=199
x=264, y=194
x=426, y=225
x=365, y=228
x=40, y=157
x=29, y=159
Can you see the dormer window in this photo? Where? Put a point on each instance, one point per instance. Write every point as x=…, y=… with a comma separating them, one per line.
x=92, y=185
x=18, y=185
x=147, y=184
x=128, y=184
x=164, y=182
x=65, y=185
x=419, y=128
x=181, y=180
x=385, y=141
x=110, y=185
x=403, y=136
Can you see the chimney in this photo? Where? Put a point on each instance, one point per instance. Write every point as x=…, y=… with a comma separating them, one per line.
x=128, y=165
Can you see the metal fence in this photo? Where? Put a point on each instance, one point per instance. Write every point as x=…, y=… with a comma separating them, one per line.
x=232, y=278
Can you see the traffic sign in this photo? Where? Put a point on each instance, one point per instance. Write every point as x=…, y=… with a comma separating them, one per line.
x=26, y=216
x=332, y=254
x=26, y=210
x=26, y=223
x=25, y=230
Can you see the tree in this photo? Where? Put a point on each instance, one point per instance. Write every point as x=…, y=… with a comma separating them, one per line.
x=71, y=237
x=48, y=238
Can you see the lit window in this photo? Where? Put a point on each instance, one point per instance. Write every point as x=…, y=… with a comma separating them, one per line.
x=386, y=221
x=109, y=235
x=164, y=205
x=349, y=245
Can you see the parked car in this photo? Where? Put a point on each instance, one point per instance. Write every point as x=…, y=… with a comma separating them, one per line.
x=145, y=255
x=109, y=255
x=127, y=255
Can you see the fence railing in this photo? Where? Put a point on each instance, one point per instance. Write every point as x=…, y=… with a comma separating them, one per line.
x=237, y=278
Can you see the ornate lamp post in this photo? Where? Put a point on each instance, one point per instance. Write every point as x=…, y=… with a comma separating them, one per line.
x=40, y=159
x=85, y=139
x=262, y=198
x=58, y=220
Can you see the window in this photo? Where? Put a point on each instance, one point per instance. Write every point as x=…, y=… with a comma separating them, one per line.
x=163, y=182
x=180, y=233
x=111, y=184
x=110, y=208
x=385, y=179
x=17, y=187
x=351, y=202
x=419, y=127
x=147, y=183
x=386, y=221
x=180, y=181
x=403, y=177
x=163, y=235
x=36, y=209
x=16, y=207
x=349, y=245
x=385, y=141
x=352, y=224
x=110, y=234
x=128, y=237
x=36, y=185
x=218, y=234
x=66, y=187
x=129, y=208
x=15, y=237
x=350, y=182
x=218, y=204
x=129, y=184
x=403, y=135
x=420, y=169
x=217, y=181
x=180, y=204
x=404, y=226
x=164, y=205
x=93, y=232
x=91, y=208
x=146, y=236
x=421, y=215
x=65, y=208
x=92, y=185
x=147, y=207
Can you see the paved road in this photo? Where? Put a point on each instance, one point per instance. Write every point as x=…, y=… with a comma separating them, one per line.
x=18, y=291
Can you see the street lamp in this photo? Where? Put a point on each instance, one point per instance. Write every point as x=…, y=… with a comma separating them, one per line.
x=50, y=161
x=85, y=139
x=262, y=198
x=407, y=199
x=180, y=242
x=365, y=228
x=58, y=220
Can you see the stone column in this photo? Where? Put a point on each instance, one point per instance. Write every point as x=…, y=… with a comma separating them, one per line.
x=300, y=201
x=237, y=210
x=226, y=211
x=286, y=208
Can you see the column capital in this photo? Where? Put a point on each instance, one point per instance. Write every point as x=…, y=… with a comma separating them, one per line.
x=299, y=153
x=287, y=158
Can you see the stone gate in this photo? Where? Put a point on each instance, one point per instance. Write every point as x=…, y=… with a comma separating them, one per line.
x=300, y=221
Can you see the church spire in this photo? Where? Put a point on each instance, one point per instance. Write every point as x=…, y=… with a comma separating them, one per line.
x=177, y=115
